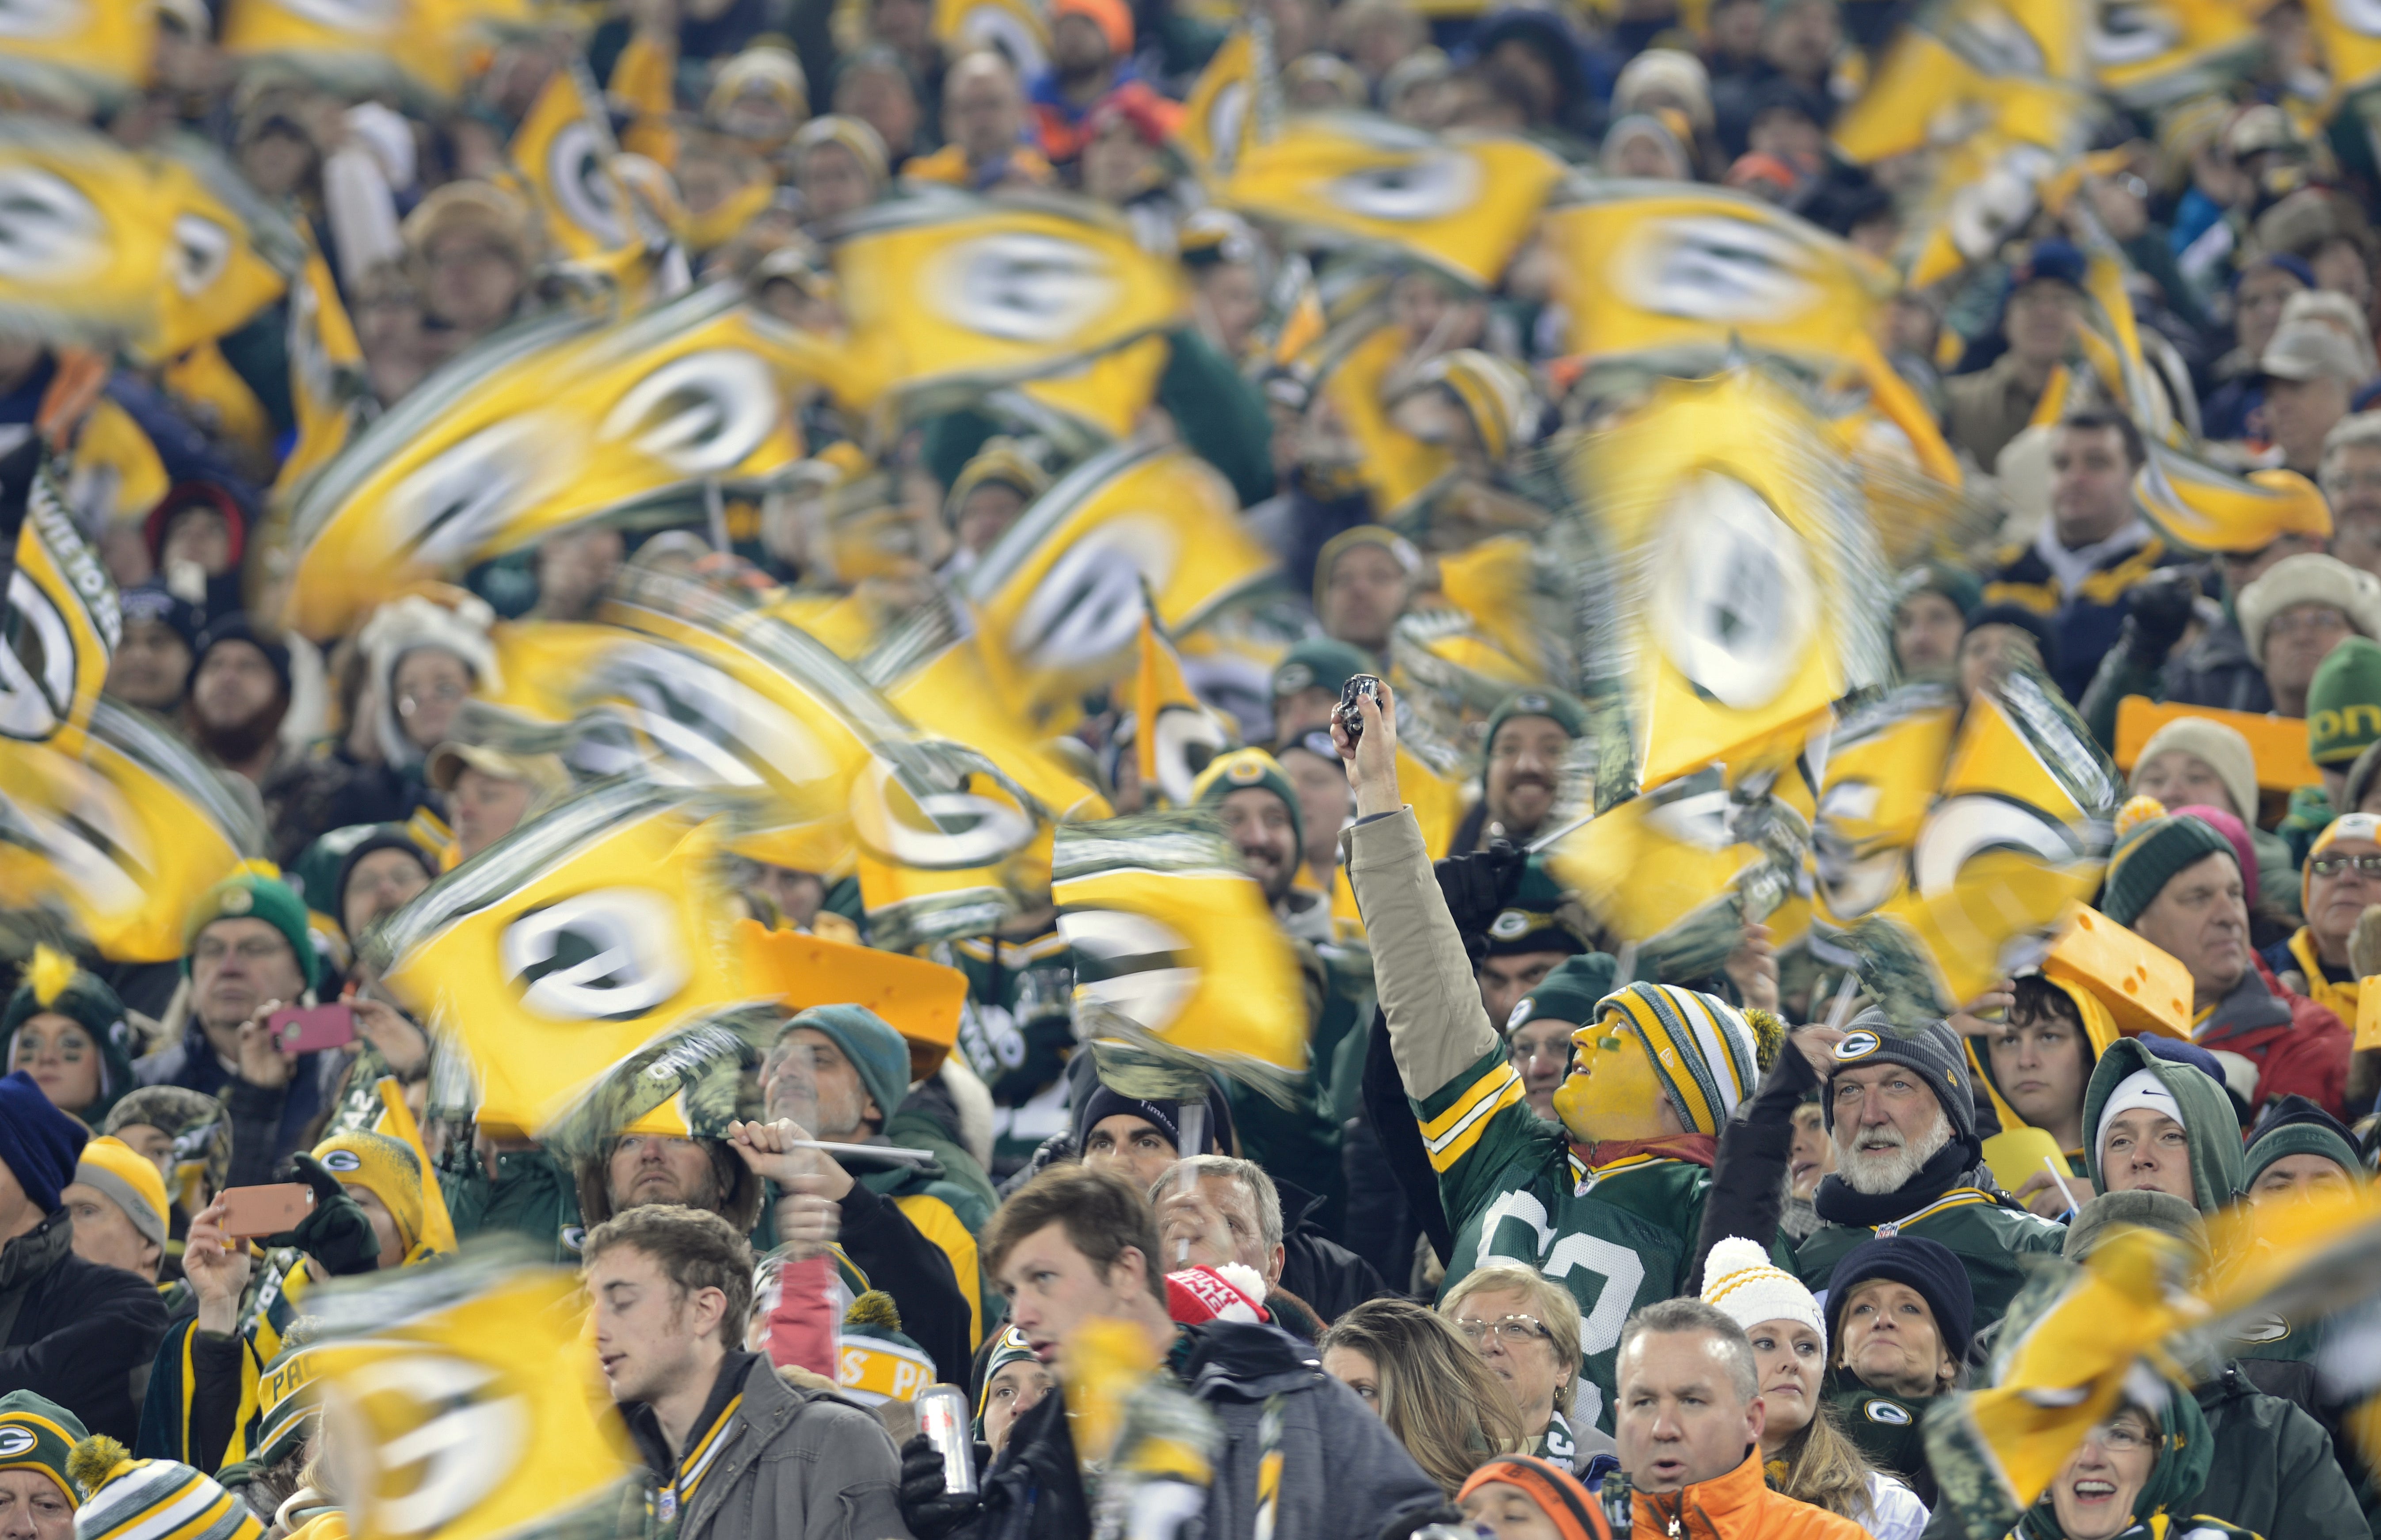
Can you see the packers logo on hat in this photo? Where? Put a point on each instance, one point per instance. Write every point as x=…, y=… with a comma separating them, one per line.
x=237, y=901
x=1858, y=1045
x=1890, y=1413
x=1521, y=1012
x=1525, y=705
x=1244, y=772
x=1510, y=925
x=14, y=1442
x=574, y=1238
x=343, y=1160
x=1293, y=678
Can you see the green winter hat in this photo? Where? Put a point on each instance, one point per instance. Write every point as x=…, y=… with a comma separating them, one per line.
x=2302, y=1129
x=871, y=1044
x=1553, y=705
x=2344, y=702
x=1527, y=922
x=251, y=895
x=1955, y=583
x=1571, y=992
x=37, y=1433
x=1241, y=769
x=1320, y=663
x=52, y=982
x=2149, y=856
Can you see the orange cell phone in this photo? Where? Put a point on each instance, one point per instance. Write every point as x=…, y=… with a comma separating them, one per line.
x=251, y=1212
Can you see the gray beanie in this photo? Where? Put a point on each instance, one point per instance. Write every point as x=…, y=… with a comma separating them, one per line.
x=1933, y=1053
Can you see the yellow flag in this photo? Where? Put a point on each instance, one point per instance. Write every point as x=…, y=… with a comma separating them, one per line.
x=396, y=1119
x=2351, y=35
x=126, y=836
x=1110, y=390
x=1657, y=265
x=463, y=1403
x=99, y=47
x=1221, y=109
x=1394, y=464
x=1058, y=597
x=555, y=422
x=563, y=151
x=328, y=395
x=945, y=289
x=1757, y=595
x=1462, y=202
x=1176, y=951
x=1174, y=733
x=59, y=628
x=2154, y=53
x=414, y=47
x=560, y=948
x=2203, y=508
x=1016, y=28
x=87, y=237
x=217, y=274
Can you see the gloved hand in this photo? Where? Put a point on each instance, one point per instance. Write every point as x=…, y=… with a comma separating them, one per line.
x=2158, y=610
x=930, y=1511
x=1477, y=887
x=336, y=1234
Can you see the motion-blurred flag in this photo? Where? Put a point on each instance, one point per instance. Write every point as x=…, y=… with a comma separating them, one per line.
x=1058, y=597
x=1749, y=593
x=1462, y=202
x=328, y=394
x=59, y=626
x=1020, y=29
x=126, y=836
x=2203, y=508
x=1176, y=951
x=1174, y=734
x=564, y=946
x=2154, y=53
x=564, y=151
x=2018, y=830
x=1221, y=109
x=357, y=47
x=65, y=48
x=227, y=255
x=460, y=1403
x=945, y=289
x=549, y=424
x=84, y=237
x=1657, y=265
x=690, y=1080
x=2349, y=32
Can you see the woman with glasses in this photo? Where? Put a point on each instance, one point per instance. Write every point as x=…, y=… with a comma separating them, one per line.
x=1435, y=1393
x=1526, y=1330
x=2136, y=1474
x=2342, y=879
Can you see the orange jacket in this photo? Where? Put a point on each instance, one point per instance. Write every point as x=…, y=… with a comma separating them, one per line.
x=1738, y=1506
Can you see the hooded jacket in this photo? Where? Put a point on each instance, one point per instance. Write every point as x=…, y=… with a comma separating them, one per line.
x=2218, y=1174
x=2099, y=1031
x=1738, y=1506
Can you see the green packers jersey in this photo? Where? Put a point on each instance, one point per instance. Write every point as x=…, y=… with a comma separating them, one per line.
x=1987, y=1233
x=1017, y=1030
x=1616, y=1237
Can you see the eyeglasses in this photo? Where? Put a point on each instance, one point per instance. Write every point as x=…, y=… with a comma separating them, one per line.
x=1513, y=1330
x=2333, y=866
x=2121, y=1437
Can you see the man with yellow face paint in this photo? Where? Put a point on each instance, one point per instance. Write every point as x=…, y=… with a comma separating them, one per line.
x=1606, y=1203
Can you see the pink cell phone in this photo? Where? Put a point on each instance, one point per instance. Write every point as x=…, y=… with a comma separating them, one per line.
x=305, y=1029
x=251, y=1212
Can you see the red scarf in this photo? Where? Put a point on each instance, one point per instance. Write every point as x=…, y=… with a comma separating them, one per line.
x=1699, y=1148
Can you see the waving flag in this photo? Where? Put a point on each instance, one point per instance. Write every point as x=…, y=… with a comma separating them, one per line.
x=1021, y=28
x=83, y=245
x=461, y=1400
x=61, y=625
x=690, y=1080
x=2154, y=53
x=1220, y=112
x=566, y=945
x=2197, y=504
x=1175, y=950
x=101, y=46
x=1462, y=202
x=227, y=255
x=126, y=836
x=564, y=151
x=552, y=423
x=328, y=394
x=2350, y=32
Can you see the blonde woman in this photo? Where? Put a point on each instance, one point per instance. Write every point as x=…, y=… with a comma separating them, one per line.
x=1436, y=1394
x=1526, y=1331
x=1806, y=1455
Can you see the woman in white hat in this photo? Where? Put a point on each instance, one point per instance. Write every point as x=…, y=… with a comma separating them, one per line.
x=1806, y=1456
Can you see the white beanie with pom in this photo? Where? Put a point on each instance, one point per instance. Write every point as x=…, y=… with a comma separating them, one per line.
x=1743, y=1283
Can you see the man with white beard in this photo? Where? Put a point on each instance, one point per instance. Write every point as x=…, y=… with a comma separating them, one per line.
x=1902, y=1110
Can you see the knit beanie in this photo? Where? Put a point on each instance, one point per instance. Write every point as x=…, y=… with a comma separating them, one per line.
x=38, y=1143
x=379, y=837
x=1339, y=544
x=1166, y=1117
x=1741, y=1282
x=1319, y=663
x=2148, y=858
x=2236, y=834
x=249, y=893
x=872, y=1046
x=1526, y=923
x=1706, y=1054
x=125, y=1177
x=199, y=1125
x=2102, y=1218
x=2009, y=613
x=152, y=601
x=2295, y=1125
x=237, y=627
x=1928, y=1267
x=406, y=625
x=1559, y=708
x=1933, y=1053
x=2344, y=702
x=53, y=983
x=36, y=1434
x=288, y=1403
x=1558, y=1493
x=2223, y=748
x=1241, y=769
x=1494, y=397
x=1571, y=991
x=1009, y=1346
x=875, y=1360
x=2309, y=577
x=1955, y=583
x=1233, y=1291
x=385, y=1168
x=126, y=1498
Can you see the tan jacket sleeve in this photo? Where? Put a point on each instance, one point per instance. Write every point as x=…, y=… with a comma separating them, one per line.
x=1437, y=1027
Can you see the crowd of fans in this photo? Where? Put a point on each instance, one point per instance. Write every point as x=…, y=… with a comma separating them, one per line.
x=1555, y=1224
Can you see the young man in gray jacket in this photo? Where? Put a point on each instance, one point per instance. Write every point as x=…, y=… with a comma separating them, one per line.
x=734, y=1454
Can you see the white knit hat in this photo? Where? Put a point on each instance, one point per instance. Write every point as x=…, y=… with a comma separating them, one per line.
x=2226, y=752
x=414, y=621
x=2309, y=577
x=1743, y=1283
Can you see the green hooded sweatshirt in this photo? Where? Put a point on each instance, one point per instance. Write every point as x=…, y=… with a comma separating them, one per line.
x=2217, y=1175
